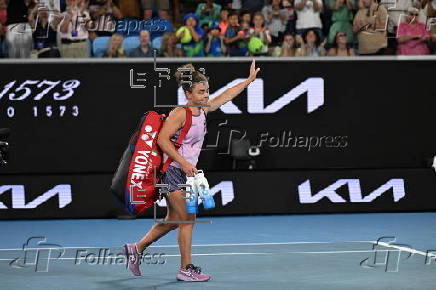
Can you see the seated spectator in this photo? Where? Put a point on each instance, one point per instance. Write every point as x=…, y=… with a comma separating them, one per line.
x=169, y=46
x=190, y=36
x=276, y=20
x=261, y=31
x=235, y=38
x=162, y=5
x=104, y=14
x=208, y=12
x=341, y=20
x=310, y=44
x=215, y=42
x=130, y=9
x=341, y=46
x=292, y=17
x=144, y=49
x=412, y=35
x=288, y=47
x=205, y=28
x=308, y=16
x=74, y=30
x=19, y=32
x=430, y=13
x=115, y=48
x=223, y=21
x=45, y=33
x=370, y=26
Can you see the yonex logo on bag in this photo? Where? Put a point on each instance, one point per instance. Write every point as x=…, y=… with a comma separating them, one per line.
x=148, y=136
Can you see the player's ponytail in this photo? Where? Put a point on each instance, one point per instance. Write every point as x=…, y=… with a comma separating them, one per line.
x=183, y=79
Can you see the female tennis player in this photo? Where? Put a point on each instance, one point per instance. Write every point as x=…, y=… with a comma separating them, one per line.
x=183, y=164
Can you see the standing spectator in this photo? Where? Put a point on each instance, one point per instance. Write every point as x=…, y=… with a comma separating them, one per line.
x=74, y=30
x=19, y=32
x=341, y=46
x=289, y=6
x=341, y=19
x=308, y=16
x=261, y=31
x=310, y=44
x=223, y=22
x=396, y=9
x=208, y=12
x=144, y=49
x=130, y=9
x=115, y=48
x=276, y=20
x=235, y=37
x=252, y=5
x=245, y=20
x=160, y=24
x=288, y=47
x=412, y=35
x=370, y=26
x=190, y=35
x=45, y=33
x=104, y=14
x=215, y=42
x=224, y=3
x=169, y=46
x=162, y=5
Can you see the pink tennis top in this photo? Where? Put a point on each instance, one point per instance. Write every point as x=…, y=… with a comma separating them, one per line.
x=191, y=145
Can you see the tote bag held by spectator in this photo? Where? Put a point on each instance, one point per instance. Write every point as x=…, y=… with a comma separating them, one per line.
x=134, y=181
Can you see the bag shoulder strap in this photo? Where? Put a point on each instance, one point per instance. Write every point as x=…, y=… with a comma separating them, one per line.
x=179, y=140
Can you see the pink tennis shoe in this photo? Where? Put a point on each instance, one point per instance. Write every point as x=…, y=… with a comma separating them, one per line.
x=192, y=274
x=133, y=258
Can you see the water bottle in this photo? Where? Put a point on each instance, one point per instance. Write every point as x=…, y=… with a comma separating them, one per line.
x=192, y=196
x=203, y=190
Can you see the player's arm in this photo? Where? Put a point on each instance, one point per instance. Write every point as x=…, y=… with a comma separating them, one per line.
x=174, y=122
x=232, y=92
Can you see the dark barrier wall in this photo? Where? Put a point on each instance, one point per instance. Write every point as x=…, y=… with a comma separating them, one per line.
x=326, y=191
x=357, y=132
x=77, y=118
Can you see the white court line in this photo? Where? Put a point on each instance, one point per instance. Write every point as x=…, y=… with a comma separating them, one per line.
x=233, y=254
x=200, y=245
x=405, y=249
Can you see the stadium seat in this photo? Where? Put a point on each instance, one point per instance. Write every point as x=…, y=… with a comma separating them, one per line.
x=130, y=43
x=157, y=43
x=4, y=48
x=100, y=45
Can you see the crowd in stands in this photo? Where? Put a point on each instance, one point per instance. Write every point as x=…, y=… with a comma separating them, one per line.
x=140, y=28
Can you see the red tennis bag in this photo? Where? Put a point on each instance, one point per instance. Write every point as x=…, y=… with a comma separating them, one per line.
x=141, y=167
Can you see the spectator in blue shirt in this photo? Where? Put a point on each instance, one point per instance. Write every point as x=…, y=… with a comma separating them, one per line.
x=191, y=36
x=215, y=42
x=144, y=49
x=159, y=24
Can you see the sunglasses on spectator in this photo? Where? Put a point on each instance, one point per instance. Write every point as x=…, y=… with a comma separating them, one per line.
x=413, y=14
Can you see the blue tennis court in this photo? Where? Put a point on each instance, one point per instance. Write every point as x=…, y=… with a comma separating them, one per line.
x=326, y=251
